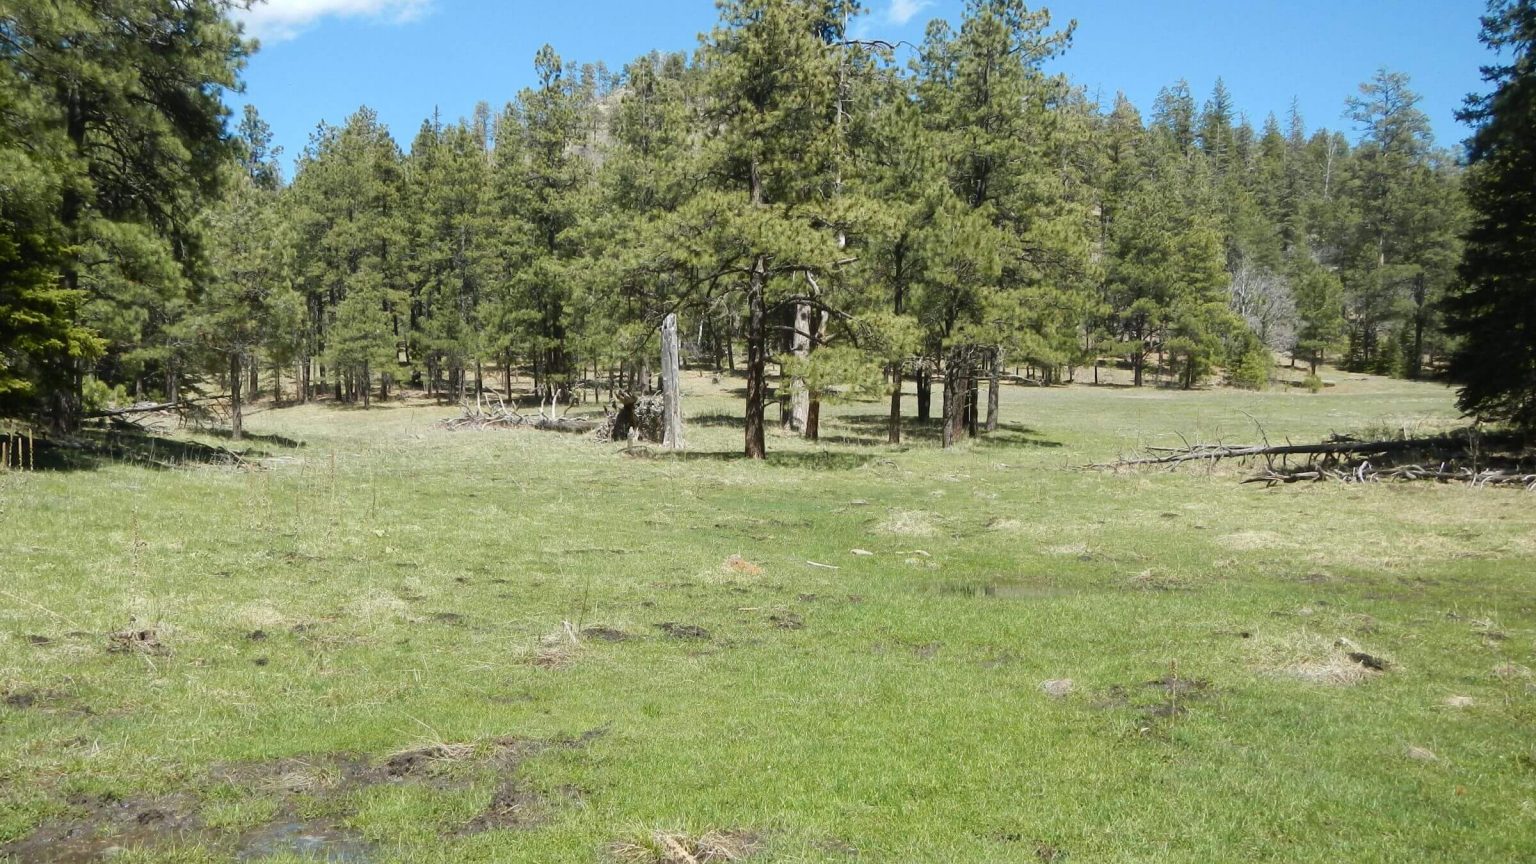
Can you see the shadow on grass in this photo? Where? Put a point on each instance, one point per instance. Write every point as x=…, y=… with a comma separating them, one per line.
x=721, y=419
x=91, y=449
x=871, y=429
x=275, y=440
x=822, y=460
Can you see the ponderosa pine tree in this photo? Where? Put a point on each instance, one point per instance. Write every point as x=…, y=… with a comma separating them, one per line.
x=1374, y=263
x=1495, y=314
x=349, y=224
x=444, y=178
x=119, y=103
x=560, y=182
x=760, y=229
x=42, y=341
x=985, y=97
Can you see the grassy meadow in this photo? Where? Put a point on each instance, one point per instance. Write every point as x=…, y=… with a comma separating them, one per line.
x=398, y=643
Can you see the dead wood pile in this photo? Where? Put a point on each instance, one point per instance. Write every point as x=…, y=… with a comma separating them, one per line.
x=1465, y=456
x=638, y=415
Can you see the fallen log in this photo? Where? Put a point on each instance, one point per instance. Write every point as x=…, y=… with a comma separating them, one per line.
x=1366, y=473
x=1207, y=452
x=473, y=420
x=152, y=407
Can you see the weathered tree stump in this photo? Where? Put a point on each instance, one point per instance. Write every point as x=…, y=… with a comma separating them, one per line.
x=671, y=392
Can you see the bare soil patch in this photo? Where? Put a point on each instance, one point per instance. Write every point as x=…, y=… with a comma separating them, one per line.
x=675, y=630
x=137, y=642
x=787, y=621
x=604, y=634
x=100, y=827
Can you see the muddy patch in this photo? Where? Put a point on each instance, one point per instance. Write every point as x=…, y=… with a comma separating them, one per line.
x=1174, y=695
x=675, y=630
x=105, y=826
x=42, y=700
x=315, y=840
x=1159, y=699
x=452, y=619
x=787, y=621
x=99, y=828
x=604, y=634
x=137, y=642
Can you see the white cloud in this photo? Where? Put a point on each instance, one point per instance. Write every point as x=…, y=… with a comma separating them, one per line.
x=275, y=20
x=902, y=11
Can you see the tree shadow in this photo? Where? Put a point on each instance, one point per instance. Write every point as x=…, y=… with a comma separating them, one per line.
x=822, y=460
x=91, y=449
x=718, y=419
x=275, y=440
x=871, y=429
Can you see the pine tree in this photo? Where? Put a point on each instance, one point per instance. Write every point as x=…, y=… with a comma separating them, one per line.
x=759, y=231
x=1384, y=250
x=985, y=96
x=118, y=104
x=1495, y=314
x=349, y=220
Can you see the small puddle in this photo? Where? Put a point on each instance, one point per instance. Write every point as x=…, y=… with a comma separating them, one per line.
x=312, y=841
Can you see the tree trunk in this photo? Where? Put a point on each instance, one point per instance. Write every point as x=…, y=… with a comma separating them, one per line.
x=671, y=392
x=992, y=392
x=924, y=392
x=362, y=382
x=972, y=402
x=757, y=360
x=236, y=423
x=956, y=378
x=1420, y=296
x=894, y=433
x=800, y=346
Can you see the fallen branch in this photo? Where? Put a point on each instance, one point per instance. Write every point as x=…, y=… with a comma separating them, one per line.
x=509, y=419
x=1466, y=456
x=1366, y=473
x=1208, y=452
x=178, y=406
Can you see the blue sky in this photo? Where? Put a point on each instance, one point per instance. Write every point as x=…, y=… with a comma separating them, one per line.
x=321, y=59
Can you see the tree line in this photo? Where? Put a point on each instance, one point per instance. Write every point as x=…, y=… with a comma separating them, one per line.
x=851, y=212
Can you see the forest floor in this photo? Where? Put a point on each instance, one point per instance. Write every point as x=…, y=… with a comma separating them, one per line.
x=398, y=643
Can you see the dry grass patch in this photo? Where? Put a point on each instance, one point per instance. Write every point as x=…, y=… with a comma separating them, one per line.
x=1251, y=541
x=664, y=847
x=1315, y=658
x=910, y=523
x=556, y=649
x=738, y=564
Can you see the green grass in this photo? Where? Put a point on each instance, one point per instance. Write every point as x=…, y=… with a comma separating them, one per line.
x=904, y=720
